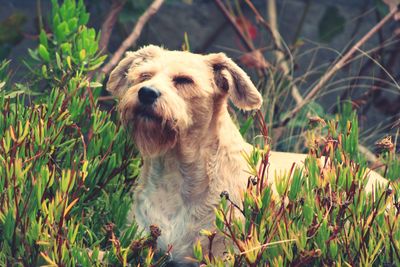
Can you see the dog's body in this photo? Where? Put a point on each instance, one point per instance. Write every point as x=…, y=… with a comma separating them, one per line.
x=192, y=151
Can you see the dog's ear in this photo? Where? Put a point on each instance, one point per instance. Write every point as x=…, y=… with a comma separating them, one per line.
x=118, y=82
x=230, y=77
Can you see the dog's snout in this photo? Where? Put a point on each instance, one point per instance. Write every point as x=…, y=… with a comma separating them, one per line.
x=148, y=95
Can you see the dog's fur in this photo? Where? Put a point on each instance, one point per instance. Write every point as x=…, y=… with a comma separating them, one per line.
x=190, y=146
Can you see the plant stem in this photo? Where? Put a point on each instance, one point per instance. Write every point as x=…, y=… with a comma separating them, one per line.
x=239, y=32
x=336, y=67
x=108, y=24
x=132, y=38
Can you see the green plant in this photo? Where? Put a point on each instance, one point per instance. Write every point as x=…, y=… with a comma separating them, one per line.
x=72, y=47
x=296, y=83
x=65, y=167
x=320, y=215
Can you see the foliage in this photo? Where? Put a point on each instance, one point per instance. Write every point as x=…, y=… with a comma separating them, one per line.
x=320, y=215
x=287, y=67
x=66, y=167
x=72, y=48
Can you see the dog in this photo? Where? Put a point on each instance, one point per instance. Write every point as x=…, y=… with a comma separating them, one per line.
x=174, y=104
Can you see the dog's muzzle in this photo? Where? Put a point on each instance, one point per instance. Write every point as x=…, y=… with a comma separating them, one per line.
x=146, y=108
x=148, y=95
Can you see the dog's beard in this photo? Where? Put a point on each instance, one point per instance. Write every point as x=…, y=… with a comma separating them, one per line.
x=152, y=134
x=155, y=129
x=153, y=137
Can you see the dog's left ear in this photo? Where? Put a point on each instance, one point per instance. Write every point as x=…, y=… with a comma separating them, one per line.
x=231, y=78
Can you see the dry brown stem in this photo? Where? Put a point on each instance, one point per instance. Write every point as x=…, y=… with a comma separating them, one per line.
x=336, y=67
x=279, y=55
x=249, y=45
x=272, y=28
x=262, y=21
x=109, y=22
x=133, y=36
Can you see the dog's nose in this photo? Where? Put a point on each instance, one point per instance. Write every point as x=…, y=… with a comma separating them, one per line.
x=148, y=95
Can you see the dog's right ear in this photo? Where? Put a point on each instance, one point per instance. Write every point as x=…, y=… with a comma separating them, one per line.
x=118, y=82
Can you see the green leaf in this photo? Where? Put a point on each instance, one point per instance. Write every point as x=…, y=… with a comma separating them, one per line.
x=197, y=251
x=44, y=54
x=58, y=61
x=95, y=85
x=219, y=221
x=82, y=54
x=73, y=24
x=308, y=214
x=66, y=48
x=43, y=38
x=9, y=225
x=246, y=126
x=295, y=186
x=62, y=31
x=331, y=24
x=44, y=71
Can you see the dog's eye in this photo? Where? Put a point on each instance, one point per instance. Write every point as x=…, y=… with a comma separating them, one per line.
x=145, y=76
x=183, y=80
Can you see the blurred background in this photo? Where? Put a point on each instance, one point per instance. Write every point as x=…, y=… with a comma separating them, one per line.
x=286, y=46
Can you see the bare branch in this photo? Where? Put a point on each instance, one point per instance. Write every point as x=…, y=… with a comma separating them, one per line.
x=279, y=55
x=132, y=38
x=260, y=19
x=108, y=24
x=249, y=45
x=336, y=67
x=273, y=31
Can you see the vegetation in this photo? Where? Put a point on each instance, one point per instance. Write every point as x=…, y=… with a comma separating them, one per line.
x=321, y=215
x=67, y=166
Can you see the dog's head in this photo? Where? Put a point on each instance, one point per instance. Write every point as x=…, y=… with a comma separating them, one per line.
x=168, y=94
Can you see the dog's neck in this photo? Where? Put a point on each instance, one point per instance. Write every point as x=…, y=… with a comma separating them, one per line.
x=195, y=159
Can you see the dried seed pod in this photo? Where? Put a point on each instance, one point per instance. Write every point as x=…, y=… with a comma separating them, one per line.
x=315, y=120
x=224, y=194
x=385, y=144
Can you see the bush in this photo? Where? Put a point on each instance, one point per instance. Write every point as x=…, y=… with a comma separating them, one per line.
x=321, y=215
x=66, y=167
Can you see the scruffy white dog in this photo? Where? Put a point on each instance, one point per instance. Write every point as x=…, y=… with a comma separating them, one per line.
x=175, y=105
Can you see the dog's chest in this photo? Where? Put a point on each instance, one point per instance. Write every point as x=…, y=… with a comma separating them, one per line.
x=162, y=204
x=161, y=201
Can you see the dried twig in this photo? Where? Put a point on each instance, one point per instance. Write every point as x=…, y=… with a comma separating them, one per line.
x=249, y=45
x=263, y=22
x=336, y=67
x=279, y=55
x=273, y=31
x=132, y=38
x=109, y=22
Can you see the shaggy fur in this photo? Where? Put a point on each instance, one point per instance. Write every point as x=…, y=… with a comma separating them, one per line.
x=190, y=146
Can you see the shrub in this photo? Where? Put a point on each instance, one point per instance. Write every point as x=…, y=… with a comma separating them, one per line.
x=321, y=215
x=66, y=167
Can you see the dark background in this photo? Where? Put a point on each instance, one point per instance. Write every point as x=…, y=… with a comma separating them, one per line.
x=322, y=30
